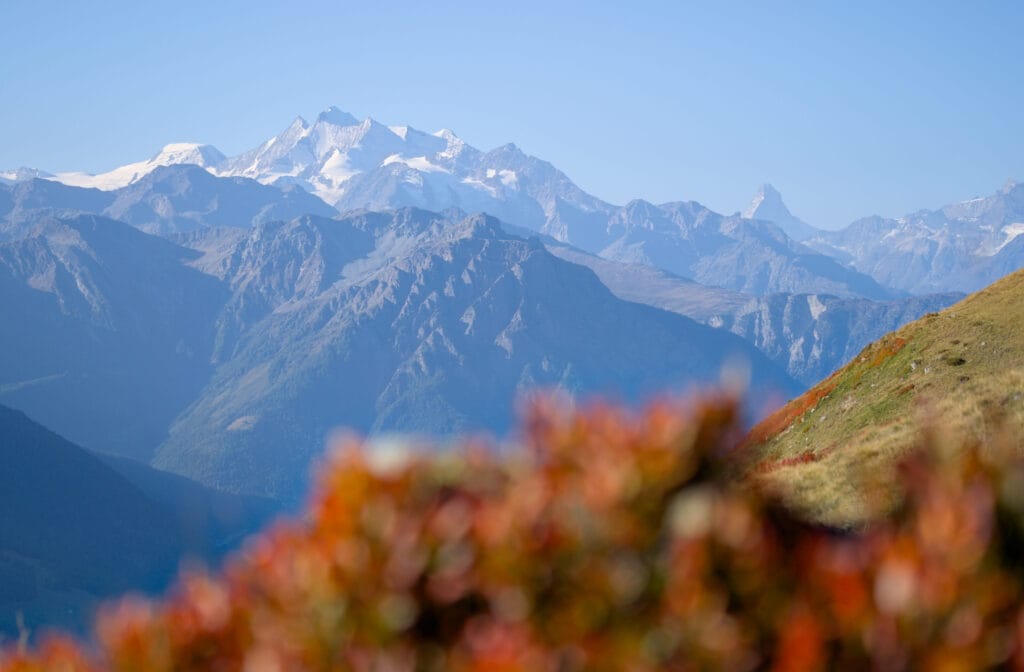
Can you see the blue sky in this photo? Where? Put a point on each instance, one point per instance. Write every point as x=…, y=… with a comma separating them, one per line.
x=848, y=108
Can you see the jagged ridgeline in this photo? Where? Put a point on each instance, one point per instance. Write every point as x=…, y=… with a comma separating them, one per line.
x=260, y=312
x=413, y=322
x=961, y=247
x=832, y=451
x=337, y=161
x=228, y=354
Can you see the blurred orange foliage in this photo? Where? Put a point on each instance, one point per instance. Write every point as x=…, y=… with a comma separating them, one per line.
x=609, y=542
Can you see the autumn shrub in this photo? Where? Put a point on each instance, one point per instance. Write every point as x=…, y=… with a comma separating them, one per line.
x=606, y=541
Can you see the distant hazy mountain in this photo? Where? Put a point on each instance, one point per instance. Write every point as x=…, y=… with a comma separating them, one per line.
x=166, y=200
x=248, y=347
x=184, y=197
x=76, y=527
x=810, y=335
x=353, y=165
x=356, y=164
x=363, y=164
x=72, y=517
x=641, y=283
x=173, y=154
x=25, y=203
x=767, y=205
x=208, y=523
x=21, y=174
x=750, y=256
x=105, y=332
x=961, y=247
x=410, y=321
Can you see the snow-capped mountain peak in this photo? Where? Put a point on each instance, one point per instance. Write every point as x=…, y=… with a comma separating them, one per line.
x=765, y=198
x=352, y=164
x=962, y=246
x=299, y=126
x=22, y=174
x=205, y=156
x=767, y=204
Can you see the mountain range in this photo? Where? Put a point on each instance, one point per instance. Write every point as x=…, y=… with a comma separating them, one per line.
x=192, y=328
x=353, y=164
x=806, y=334
x=960, y=247
x=106, y=332
x=77, y=526
x=251, y=340
x=166, y=200
x=336, y=274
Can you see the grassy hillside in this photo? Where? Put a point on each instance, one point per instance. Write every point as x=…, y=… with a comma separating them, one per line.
x=831, y=451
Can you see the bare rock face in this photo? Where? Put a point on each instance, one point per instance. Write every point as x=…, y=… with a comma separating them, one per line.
x=229, y=354
x=809, y=335
x=812, y=335
x=414, y=322
x=105, y=331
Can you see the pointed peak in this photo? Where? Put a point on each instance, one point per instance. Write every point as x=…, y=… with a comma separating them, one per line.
x=767, y=205
x=446, y=134
x=508, y=149
x=1010, y=185
x=336, y=117
x=766, y=198
x=298, y=123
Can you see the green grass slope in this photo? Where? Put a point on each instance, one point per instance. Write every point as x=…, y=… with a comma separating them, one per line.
x=831, y=452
